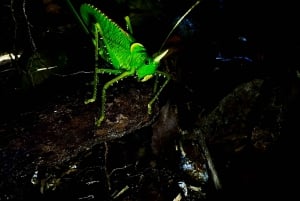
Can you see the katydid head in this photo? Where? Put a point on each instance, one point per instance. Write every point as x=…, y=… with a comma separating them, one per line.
x=149, y=67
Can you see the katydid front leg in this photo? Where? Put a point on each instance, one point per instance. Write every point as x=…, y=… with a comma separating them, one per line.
x=96, y=81
x=106, y=86
x=167, y=77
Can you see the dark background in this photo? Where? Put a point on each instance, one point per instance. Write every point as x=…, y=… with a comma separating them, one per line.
x=220, y=45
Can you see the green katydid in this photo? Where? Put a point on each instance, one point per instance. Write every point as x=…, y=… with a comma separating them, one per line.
x=116, y=46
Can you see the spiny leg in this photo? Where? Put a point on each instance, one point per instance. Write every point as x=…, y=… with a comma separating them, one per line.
x=128, y=24
x=168, y=77
x=99, y=51
x=101, y=71
x=96, y=79
x=105, y=87
x=155, y=84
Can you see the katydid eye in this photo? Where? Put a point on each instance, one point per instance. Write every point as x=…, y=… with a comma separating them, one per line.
x=147, y=62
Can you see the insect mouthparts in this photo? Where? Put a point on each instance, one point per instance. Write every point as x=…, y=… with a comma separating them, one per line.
x=147, y=77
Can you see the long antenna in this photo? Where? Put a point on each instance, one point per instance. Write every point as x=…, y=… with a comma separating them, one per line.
x=78, y=17
x=178, y=22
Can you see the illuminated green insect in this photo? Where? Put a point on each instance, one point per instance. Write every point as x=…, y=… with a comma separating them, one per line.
x=119, y=48
x=114, y=45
